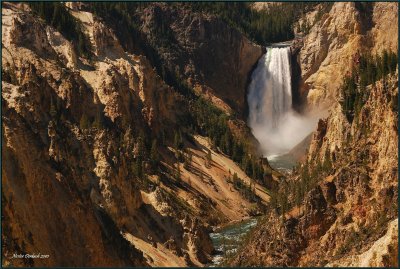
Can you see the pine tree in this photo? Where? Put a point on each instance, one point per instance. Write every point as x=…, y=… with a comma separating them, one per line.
x=82, y=50
x=154, y=155
x=327, y=165
x=162, y=138
x=178, y=172
x=99, y=119
x=84, y=122
x=137, y=168
x=141, y=146
x=190, y=157
x=208, y=158
x=235, y=180
x=53, y=110
x=178, y=142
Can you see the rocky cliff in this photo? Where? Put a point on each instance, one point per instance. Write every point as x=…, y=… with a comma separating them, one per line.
x=205, y=50
x=332, y=40
x=77, y=133
x=106, y=163
x=348, y=217
x=349, y=210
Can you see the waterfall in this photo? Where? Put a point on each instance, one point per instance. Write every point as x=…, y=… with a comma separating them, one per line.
x=274, y=123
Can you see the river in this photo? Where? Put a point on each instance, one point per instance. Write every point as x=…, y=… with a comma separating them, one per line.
x=277, y=127
x=228, y=239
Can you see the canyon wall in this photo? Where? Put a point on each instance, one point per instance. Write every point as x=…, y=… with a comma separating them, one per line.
x=349, y=216
x=328, y=49
x=74, y=131
x=207, y=52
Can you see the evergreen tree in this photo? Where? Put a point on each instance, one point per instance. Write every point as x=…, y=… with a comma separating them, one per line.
x=99, y=119
x=84, y=122
x=327, y=165
x=178, y=141
x=154, y=155
x=208, y=158
x=178, y=172
x=137, y=168
x=57, y=15
x=235, y=180
x=162, y=138
x=141, y=146
x=53, y=110
x=369, y=70
x=188, y=159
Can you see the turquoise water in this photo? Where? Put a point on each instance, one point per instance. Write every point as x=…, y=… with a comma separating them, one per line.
x=227, y=240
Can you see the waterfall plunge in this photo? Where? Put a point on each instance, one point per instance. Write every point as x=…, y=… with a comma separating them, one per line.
x=274, y=123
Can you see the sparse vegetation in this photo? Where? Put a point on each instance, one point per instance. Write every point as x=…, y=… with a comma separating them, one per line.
x=53, y=109
x=212, y=122
x=208, y=158
x=177, y=169
x=57, y=15
x=367, y=71
x=246, y=190
x=98, y=122
x=154, y=155
x=84, y=122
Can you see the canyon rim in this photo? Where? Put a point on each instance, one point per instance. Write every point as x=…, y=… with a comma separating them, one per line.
x=199, y=134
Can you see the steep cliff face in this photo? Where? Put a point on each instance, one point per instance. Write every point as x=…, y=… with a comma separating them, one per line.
x=348, y=213
x=206, y=51
x=363, y=189
x=327, y=53
x=44, y=155
x=349, y=216
x=59, y=165
x=73, y=131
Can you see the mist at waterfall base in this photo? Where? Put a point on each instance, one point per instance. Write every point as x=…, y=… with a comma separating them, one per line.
x=275, y=124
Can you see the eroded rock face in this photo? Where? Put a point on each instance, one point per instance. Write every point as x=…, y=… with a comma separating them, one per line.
x=207, y=52
x=327, y=50
x=383, y=253
x=50, y=160
x=329, y=47
x=283, y=248
x=72, y=128
x=32, y=179
x=384, y=31
x=197, y=239
x=349, y=216
x=344, y=218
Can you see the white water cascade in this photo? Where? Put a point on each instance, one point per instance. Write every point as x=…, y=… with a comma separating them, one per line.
x=274, y=123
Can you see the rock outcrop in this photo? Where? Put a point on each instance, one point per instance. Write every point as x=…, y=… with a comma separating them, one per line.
x=75, y=128
x=349, y=216
x=206, y=51
x=329, y=47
